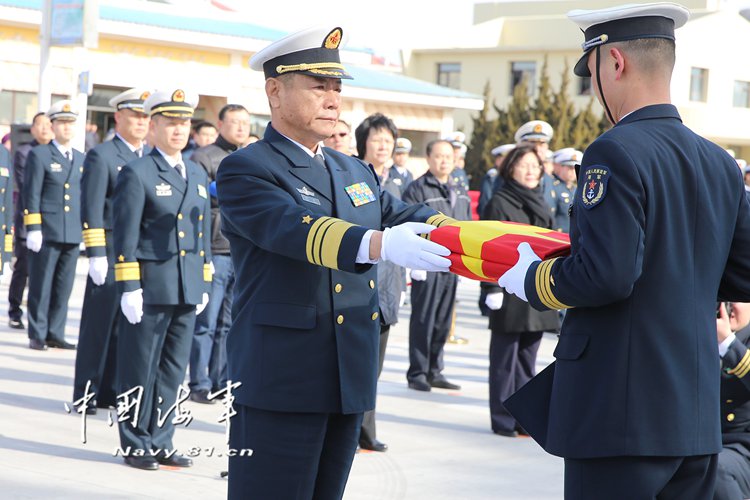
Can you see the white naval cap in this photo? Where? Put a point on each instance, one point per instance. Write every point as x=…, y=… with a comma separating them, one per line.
x=456, y=138
x=568, y=157
x=174, y=103
x=502, y=150
x=314, y=52
x=63, y=110
x=741, y=163
x=535, y=130
x=626, y=22
x=403, y=145
x=130, y=99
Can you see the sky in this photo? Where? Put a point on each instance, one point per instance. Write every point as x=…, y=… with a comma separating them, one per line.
x=382, y=25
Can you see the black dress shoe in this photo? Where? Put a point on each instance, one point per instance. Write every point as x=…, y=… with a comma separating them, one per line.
x=60, y=344
x=373, y=445
x=442, y=383
x=16, y=324
x=143, y=463
x=509, y=434
x=175, y=461
x=419, y=385
x=201, y=396
x=37, y=345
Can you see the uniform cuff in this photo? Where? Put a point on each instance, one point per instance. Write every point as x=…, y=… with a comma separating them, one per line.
x=363, y=254
x=724, y=346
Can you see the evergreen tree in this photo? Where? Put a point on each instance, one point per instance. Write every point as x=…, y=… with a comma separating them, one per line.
x=519, y=109
x=478, y=156
x=562, y=117
x=543, y=105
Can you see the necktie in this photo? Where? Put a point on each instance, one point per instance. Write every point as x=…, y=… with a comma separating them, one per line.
x=139, y=152
x=180, y=170
x=321, y=163
x=68, y=157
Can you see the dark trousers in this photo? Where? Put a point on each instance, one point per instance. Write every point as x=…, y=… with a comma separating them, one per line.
x=432, y=304
x=97, y=339
x=641, y=478
x=733, y=476
x=296, y=456
x=368, y=432
x=18, y=279
x=512, y=364
x=208, y=354
x=52, y=272
x=153, y=354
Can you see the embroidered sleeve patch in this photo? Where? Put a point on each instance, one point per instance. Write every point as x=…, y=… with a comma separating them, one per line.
x=360, y=194
x=594, y=186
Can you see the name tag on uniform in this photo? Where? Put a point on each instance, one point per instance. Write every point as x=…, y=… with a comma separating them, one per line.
x=119, y=167
x=360, y=194
x=55, y=167
x=163, y=190
x=4, y=172
x=202, y=191
x=80, y=169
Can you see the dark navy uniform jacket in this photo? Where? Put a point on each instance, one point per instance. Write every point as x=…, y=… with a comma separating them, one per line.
x=660, y=227
x=100, y=169
x=6, y=205
x=52, y=194
x=562, y=201
x=735, y=391
x=162, y=231
x=305, y=329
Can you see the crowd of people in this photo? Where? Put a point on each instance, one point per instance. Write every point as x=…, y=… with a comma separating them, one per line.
x=193, y=234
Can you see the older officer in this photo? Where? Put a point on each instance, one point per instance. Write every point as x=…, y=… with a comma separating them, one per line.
x=633, y=406
x=304, y=341
x=51, y=194
x=163, y=245
x=564, y=184
x=97, y=337
x=399, y=174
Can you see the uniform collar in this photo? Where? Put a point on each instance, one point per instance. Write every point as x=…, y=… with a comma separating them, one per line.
x=225, y=144
x=651, y=112
x=62, y=149
x=127, y=144
x=169, y=159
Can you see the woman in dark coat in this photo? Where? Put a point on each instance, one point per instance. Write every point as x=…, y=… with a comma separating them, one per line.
x=516, y=327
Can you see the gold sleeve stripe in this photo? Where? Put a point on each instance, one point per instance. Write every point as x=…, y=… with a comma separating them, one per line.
x=544, y=288
x=742, y=366
x=324, y=241
x=440, y=220
x=8, y=243
x=207, y=272
x=30, y=219
x=94, y=238
x=127, y=271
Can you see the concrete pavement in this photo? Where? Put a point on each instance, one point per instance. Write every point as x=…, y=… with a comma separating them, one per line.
x=440, y=443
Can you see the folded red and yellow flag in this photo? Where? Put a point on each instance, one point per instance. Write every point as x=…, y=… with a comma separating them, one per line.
x=485, y=250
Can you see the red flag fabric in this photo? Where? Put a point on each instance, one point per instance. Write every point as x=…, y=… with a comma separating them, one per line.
x=485, y=250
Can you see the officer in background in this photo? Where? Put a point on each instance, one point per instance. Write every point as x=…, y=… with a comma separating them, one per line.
x=491, y=180
x=457, y=139
x=433, y=293
x=163, y=245
x=208, y=354
x=41, y=131
x=341, y=139
x=6, y=210
x=564, y=184
x=632, y=402
x=398, y=174
x=733, y=332
x=52, y=217
x=304, y=223
x=97, y=337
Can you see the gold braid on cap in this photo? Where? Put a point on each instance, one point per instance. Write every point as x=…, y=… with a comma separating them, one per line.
x=281, y=69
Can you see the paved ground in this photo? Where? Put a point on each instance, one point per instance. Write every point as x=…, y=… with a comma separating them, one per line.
x=440, y=444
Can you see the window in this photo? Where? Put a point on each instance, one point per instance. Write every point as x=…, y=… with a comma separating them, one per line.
x=698, y=84
x=449, y=75
x=584, y=86
x=741, y=94
x=520, y=71
x=19, y=107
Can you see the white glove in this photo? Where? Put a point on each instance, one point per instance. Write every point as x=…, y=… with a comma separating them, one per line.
x=131, y=304
x=34, y=240
x=494, y=300
x=513, y=280
x=402, y=245
x=98, y=269
x=204, y=302
x=6, y=269
x=213, y=269
x=418, y=275
x=402, y=299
